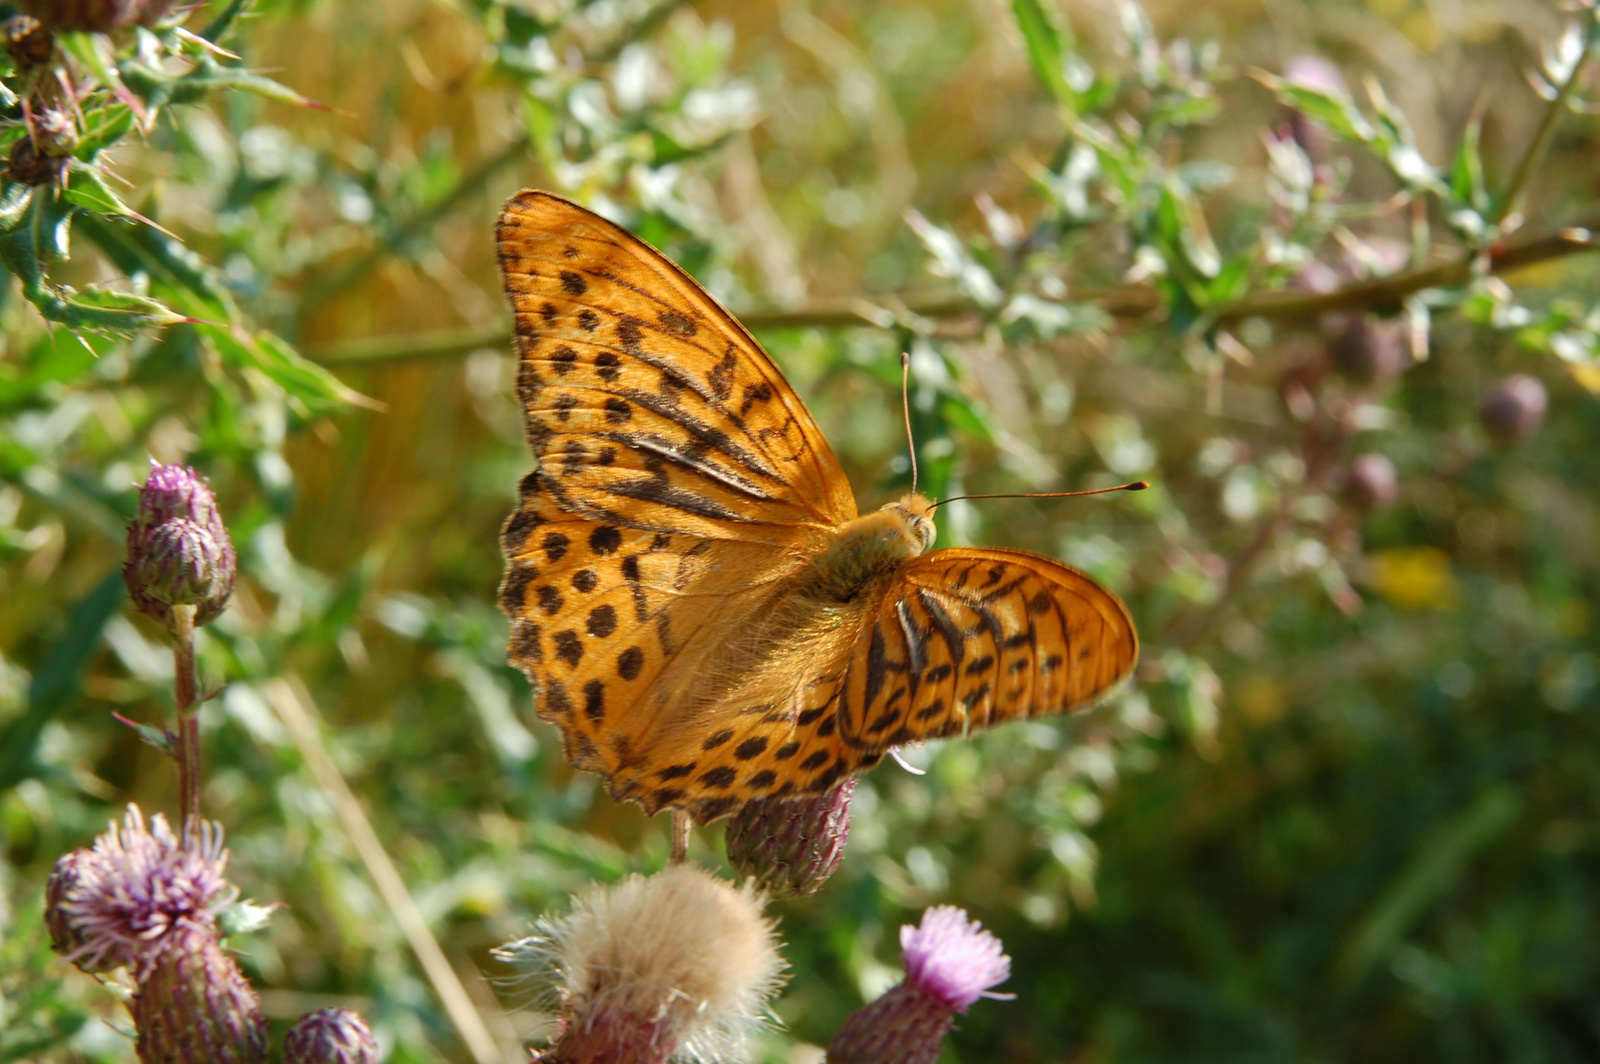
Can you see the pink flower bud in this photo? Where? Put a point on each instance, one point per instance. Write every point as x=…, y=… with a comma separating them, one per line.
x=330, y=1036
x=791, y=846
x=179, y=553
x=1514, y=408
x=1370, y=483
x=1366, y=350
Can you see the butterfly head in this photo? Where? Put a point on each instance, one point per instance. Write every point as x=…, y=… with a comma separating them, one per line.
x=917, y=513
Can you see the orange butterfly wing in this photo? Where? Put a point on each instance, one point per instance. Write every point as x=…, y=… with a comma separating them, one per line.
x=647, y=404
x=680, y=482
x=971, y=637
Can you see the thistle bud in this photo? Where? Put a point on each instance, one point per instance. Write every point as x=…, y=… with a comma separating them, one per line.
x=179, y=553
x=950, y=963
x=115, y=903
x=330, y=1036
x=791, y=846
x=194, y=1006
x=1514, y=408
x=97, y=16
x=677, y=965
x=27, y=165
x=29, y=43
x=1370, y=483
x=54, y=132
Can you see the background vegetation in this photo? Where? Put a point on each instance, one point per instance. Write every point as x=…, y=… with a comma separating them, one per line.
x=1350, y=810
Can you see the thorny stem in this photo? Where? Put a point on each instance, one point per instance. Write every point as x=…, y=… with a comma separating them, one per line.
x=1511, y=197
x=184, y=697
x=1128, y=302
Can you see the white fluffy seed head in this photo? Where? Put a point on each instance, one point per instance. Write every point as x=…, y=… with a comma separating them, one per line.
x=682, y=951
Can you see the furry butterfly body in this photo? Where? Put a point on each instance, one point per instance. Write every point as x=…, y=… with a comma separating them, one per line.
x=698, y=605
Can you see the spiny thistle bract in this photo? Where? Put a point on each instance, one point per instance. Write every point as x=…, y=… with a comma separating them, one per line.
x=791, y=846
x=330, y=1036
x=194, y=1006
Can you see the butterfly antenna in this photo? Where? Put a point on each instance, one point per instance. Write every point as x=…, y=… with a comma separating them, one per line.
x=905, y=408
x=1136, y=485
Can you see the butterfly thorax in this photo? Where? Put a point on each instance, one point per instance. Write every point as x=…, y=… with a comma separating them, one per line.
x=869, y=549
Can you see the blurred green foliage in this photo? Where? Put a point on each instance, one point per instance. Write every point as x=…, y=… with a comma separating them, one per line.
x=1349, y=811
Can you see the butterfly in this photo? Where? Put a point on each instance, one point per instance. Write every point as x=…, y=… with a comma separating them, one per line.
x=697, y=603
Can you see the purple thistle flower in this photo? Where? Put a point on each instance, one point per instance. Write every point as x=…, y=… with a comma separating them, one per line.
x=114, y=904
x=950, y=963
x=951, y=958
x=179, y=553
x=330, y=1036
x=194, y=1005
x=791, y=845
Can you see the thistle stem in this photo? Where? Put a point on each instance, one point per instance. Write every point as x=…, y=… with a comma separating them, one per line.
x=186, y=701
x=680, y=836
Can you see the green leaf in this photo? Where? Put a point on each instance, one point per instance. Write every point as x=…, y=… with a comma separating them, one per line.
x=1437, y=866
x=1047, y=48
x=208, y=77
x=56, y=682
x=36, y=238
x=1233, y=279
x=170, y=264
x=283, y=365
x=14, y=203
x=1467, y=184
x=87, y=189
x=103, y=308
x=105, y=126
x=1336, y=110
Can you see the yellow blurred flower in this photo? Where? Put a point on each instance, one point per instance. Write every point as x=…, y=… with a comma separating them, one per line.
x=1414, y=578
x=1586, y=375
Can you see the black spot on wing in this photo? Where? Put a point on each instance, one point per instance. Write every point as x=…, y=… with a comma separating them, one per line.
x=605, y=540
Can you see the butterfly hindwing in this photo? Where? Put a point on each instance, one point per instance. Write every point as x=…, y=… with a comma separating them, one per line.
x=972, y=637
x=647, y=404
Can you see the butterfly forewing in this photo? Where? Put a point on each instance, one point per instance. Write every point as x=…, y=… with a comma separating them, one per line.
x=647, y=405
x=971, y=637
